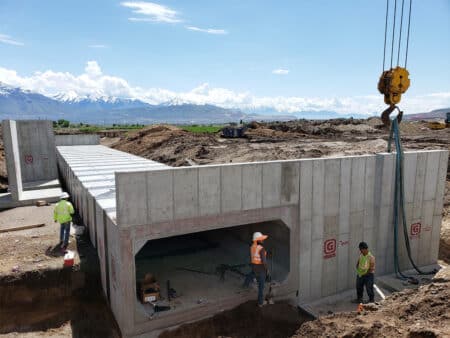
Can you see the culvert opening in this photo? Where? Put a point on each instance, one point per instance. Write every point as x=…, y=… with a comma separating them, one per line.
x=205, y=267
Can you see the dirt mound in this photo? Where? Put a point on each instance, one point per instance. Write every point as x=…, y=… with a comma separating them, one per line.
x=411, y=313
x=166, y=144
x=246, y=320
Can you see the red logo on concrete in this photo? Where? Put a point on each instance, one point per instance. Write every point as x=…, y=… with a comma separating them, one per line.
x=28, y=159
x=329, y=248
x=415, y=229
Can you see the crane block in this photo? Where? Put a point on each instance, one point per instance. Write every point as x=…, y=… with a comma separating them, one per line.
x=393, y=83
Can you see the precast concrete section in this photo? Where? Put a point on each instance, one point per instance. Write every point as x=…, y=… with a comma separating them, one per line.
x=329, y=205
x=88, y=171
x=77, y=140
x=35, y=148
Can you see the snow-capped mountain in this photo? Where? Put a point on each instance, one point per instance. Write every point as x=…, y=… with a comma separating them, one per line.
x=16, y=103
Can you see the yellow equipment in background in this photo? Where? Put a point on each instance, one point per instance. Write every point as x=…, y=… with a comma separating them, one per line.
x=436, y=125
x=392, y=84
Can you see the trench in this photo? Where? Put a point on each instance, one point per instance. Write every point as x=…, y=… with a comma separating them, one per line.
x=42, y=300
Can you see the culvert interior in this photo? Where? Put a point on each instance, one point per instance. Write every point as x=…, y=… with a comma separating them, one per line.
x=209, y=265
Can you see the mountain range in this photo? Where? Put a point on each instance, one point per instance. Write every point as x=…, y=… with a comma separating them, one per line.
x=16, y=103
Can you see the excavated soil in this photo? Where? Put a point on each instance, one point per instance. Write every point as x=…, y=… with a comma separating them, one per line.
x=277, y=140
x=246, y=320
x=410, y=313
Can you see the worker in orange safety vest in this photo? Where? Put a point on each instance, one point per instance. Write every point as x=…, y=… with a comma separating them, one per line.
x=259, y=266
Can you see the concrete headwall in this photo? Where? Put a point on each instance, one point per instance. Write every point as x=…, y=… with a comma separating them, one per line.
x=339, y=202
x=77, y=140
x=30, y=152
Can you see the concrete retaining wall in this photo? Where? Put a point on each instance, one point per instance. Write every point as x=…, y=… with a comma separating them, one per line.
x=77, y=140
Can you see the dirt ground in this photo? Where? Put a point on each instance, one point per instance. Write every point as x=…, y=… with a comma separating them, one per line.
x=410, y=313
x=31, y=249
x=246, y=320
x=273, y=141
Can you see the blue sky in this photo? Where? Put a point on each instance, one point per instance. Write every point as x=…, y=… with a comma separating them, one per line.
x=315, y=54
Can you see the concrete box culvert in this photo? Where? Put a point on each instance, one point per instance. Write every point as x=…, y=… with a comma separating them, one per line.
x=329, y=205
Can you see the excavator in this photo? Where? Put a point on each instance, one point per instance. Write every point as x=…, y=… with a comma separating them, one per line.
x=394, y=81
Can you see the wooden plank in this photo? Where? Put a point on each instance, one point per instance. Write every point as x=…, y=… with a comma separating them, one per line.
x=22, y=227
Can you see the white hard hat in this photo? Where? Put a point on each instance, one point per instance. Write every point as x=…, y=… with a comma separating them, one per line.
x=257, y=236
x=64, y=195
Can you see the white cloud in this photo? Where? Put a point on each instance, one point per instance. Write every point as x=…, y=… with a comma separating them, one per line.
x=152, y=12
x=280, y=71
x=9, y=40
x=94, y=83
x=207, y=30
x=98, y=46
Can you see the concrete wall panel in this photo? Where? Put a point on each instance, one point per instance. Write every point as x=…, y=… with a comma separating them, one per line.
x=252, y=186
x=271, y=184
x=209, y=190
x=74, y=140
x=185, y=193
x=332, y=185
x=231, y=182
x=290, y=176
x=160, y=196
x=131, y=198
x=440, y=190
x=318, y=200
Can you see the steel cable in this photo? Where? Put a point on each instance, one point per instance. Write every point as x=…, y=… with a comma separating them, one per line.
x=393, y=32
x=385, y=33
x=407, y=39
x=400, y=36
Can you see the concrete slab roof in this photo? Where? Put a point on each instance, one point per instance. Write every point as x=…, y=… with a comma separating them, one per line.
x=94, y=166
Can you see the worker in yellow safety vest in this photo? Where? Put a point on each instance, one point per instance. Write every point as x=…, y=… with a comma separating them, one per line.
x=259, y=266
x=365, y=269
x=63, y=215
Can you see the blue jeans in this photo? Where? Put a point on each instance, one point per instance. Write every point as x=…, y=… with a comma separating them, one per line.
x=260, y=279
x=64, y=233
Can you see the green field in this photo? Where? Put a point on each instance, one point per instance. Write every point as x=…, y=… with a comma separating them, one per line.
x=202, y=129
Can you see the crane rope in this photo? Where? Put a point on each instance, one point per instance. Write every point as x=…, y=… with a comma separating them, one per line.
x=399, y=202
x=400, y=37
x=385, y=33
x=400, y=33
x=407, y=39
x=393, y=31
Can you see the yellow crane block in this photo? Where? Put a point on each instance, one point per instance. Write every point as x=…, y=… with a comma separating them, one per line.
x=393, y=83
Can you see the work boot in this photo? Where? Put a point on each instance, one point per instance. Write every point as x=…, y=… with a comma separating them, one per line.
x=264, y=303
x=357, y=301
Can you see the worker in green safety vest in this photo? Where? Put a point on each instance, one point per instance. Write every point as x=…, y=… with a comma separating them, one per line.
x=365, y=269
x=63, y=215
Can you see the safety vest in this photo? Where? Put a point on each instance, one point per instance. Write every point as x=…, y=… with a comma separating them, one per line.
x=363, y=264
x=63, y=212
x=255, y=253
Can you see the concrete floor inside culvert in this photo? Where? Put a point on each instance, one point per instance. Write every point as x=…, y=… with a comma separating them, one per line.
x=172, y=258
